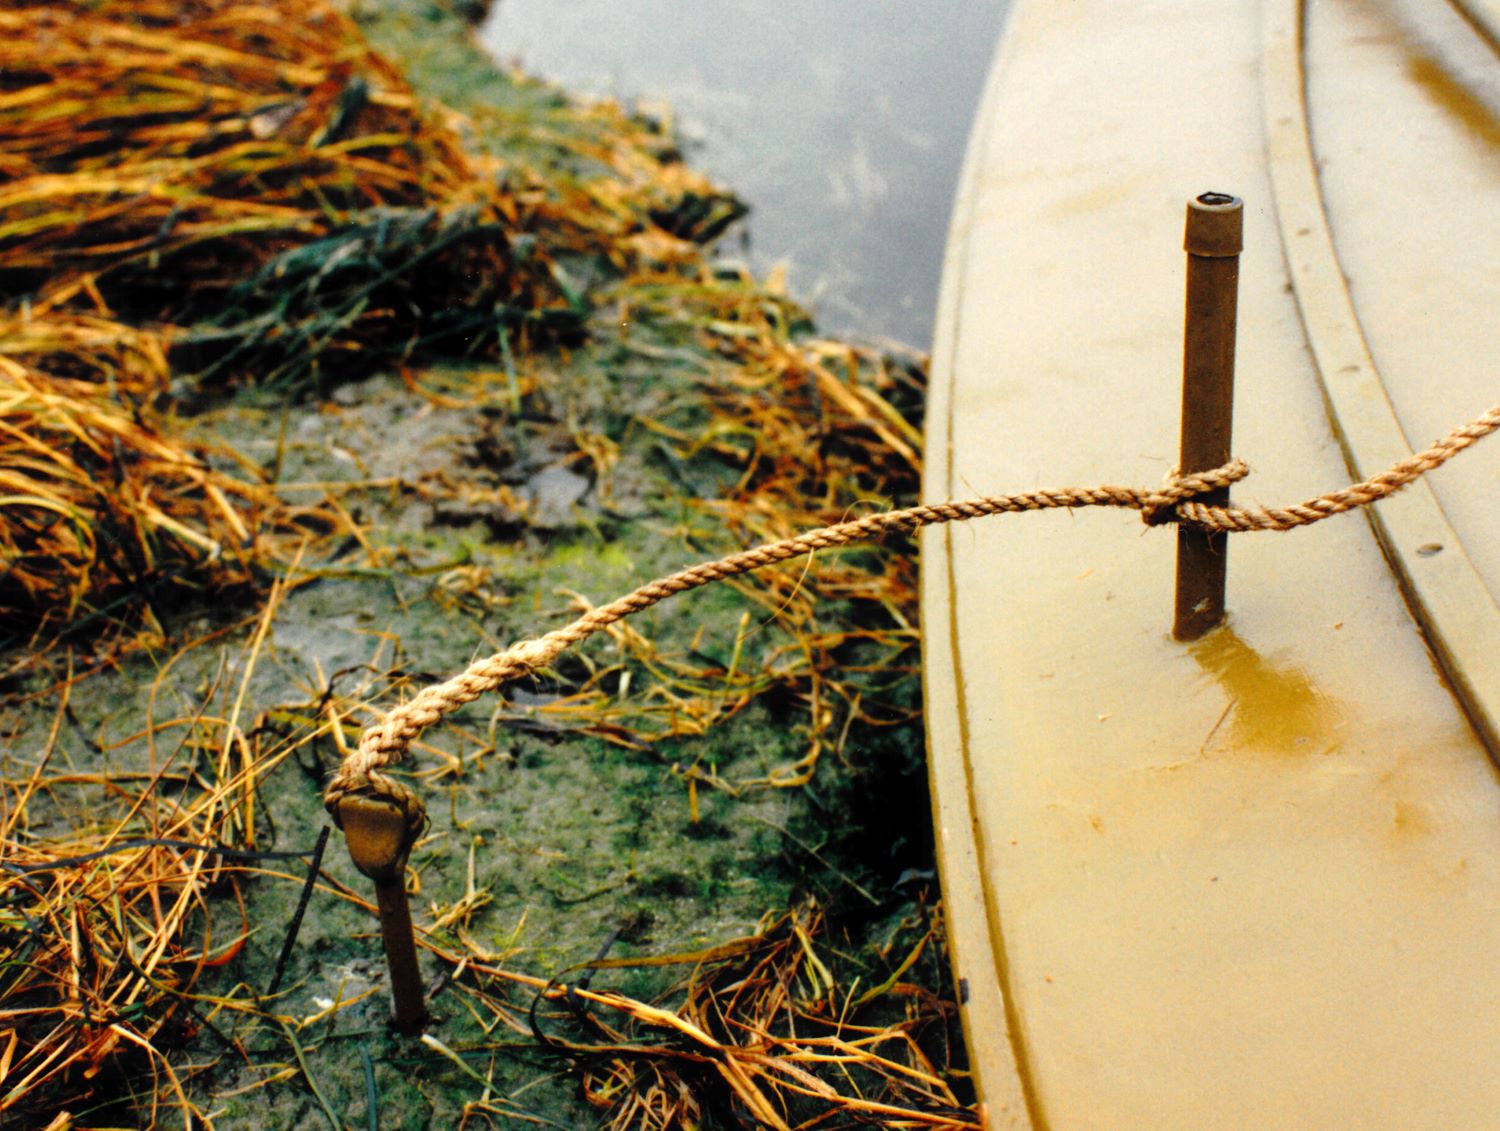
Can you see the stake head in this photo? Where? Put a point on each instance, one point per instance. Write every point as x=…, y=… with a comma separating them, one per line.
x=1215, y=225
x=378, y=835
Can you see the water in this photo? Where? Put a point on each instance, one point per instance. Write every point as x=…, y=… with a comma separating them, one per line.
x=841, y=122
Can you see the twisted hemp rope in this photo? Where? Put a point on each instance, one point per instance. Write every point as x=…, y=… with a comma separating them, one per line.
x=386, y=742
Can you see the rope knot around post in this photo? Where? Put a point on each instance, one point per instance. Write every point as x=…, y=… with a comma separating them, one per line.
x=1166, y=506
x=374, y=784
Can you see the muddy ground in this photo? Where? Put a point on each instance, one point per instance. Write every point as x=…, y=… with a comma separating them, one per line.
x=492, y=501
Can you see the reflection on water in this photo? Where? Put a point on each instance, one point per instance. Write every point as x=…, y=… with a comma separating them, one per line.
x=1272, y=707
x=842, y=123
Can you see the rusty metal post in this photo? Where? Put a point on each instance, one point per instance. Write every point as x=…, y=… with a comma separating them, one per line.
x=1213, y=242
x=380, y=839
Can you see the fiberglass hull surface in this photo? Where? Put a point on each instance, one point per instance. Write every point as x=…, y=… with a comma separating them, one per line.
x=1252, y=881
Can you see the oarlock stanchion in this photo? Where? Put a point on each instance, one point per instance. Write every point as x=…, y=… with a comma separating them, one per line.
x=380, y=837
x=1213, y=242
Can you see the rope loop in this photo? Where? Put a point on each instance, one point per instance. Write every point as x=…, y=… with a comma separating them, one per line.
x=373, y=781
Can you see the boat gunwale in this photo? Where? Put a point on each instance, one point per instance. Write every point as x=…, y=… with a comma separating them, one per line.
x=1445, y=592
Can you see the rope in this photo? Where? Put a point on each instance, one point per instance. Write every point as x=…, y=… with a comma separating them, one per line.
x=386, y=742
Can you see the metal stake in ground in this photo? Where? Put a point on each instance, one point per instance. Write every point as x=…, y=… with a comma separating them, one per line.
x=380, y=837
x=1213, y=242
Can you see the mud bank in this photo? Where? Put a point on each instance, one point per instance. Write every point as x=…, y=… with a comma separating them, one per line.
x=733, y=755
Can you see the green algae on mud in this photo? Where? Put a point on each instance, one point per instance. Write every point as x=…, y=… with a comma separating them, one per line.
x=570, y=840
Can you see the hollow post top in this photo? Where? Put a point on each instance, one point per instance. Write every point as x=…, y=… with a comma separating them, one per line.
x=1215, y=225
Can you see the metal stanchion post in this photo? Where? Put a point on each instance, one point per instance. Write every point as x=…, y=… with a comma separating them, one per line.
x=1213, y=242
x=380, y=837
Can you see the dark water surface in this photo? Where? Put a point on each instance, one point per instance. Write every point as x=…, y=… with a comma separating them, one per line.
x=841, y=122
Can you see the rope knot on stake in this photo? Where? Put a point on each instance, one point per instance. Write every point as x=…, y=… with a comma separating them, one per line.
x=377, y=785
x=1166, y=505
